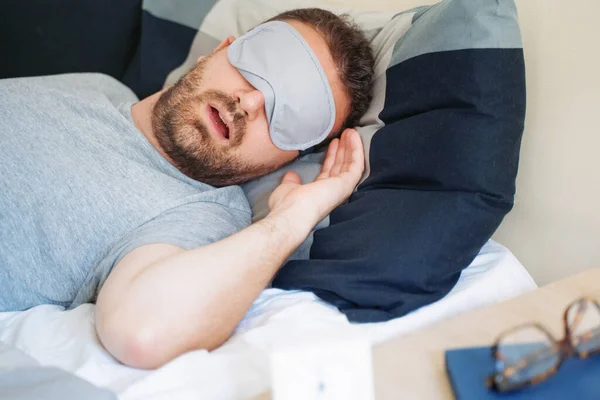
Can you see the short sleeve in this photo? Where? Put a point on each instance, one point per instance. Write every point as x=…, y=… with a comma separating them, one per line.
x=188, y=226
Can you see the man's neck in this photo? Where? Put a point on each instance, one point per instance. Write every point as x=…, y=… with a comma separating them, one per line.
x=142, y=118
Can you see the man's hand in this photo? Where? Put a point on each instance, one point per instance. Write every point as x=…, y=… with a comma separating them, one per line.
x=161, y=300
x=341, y=171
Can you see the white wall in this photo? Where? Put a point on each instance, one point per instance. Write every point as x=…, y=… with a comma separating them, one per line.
x=554, y=228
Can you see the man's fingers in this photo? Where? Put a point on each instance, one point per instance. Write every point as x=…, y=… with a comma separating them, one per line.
x=355, y=154
x=329, y=159
x=340, y=156
x=348, y=153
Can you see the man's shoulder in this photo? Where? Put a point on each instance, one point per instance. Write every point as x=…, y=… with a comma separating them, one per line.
x=226, y=203
x=75, y=82
x=198, y=218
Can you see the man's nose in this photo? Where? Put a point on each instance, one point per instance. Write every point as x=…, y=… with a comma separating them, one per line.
x=252, y=102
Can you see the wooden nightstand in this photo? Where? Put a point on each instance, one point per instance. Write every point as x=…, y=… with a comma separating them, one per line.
x=412, y=366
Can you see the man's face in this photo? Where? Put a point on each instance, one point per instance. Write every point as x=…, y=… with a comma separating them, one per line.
x=213, y=123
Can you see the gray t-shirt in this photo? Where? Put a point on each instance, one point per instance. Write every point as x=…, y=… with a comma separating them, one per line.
x=80, y=187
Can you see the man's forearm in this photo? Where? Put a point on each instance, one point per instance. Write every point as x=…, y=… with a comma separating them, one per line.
x=193, y=299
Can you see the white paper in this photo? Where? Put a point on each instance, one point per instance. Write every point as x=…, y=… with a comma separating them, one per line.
x=328, y=370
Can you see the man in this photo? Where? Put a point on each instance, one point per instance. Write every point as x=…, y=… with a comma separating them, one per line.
x=107, y=199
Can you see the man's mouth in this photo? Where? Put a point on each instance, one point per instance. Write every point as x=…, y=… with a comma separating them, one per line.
x=219, y=122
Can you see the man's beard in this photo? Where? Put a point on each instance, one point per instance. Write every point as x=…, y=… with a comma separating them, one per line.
x=183, y=136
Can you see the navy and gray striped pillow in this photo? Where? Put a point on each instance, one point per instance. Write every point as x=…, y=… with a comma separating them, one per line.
x=167, y=29
x=442, y=140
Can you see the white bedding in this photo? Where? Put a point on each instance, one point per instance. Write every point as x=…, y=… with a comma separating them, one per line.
x=240, y=368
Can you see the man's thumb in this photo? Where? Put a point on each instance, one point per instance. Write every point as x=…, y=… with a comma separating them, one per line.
x=291, y=177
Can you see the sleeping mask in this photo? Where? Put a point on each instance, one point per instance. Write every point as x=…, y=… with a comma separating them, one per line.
x=278, y=62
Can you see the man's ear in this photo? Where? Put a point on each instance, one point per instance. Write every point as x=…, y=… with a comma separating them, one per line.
x=221, y=45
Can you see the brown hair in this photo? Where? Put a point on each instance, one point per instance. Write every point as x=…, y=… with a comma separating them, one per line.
x=350, y=51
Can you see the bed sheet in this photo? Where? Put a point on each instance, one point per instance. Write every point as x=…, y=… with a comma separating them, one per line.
x=240, y=368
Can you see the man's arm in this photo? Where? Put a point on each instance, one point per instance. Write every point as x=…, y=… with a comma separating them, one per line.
x=161, y=301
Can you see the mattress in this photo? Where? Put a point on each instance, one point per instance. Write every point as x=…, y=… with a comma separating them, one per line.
x=240, y=369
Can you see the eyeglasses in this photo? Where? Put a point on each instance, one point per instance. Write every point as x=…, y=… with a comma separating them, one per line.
x=528, y=354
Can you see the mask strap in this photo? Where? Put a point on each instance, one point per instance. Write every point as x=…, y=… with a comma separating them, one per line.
x=310, y=150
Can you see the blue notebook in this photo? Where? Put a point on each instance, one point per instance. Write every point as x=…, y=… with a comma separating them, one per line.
x=468, y=369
